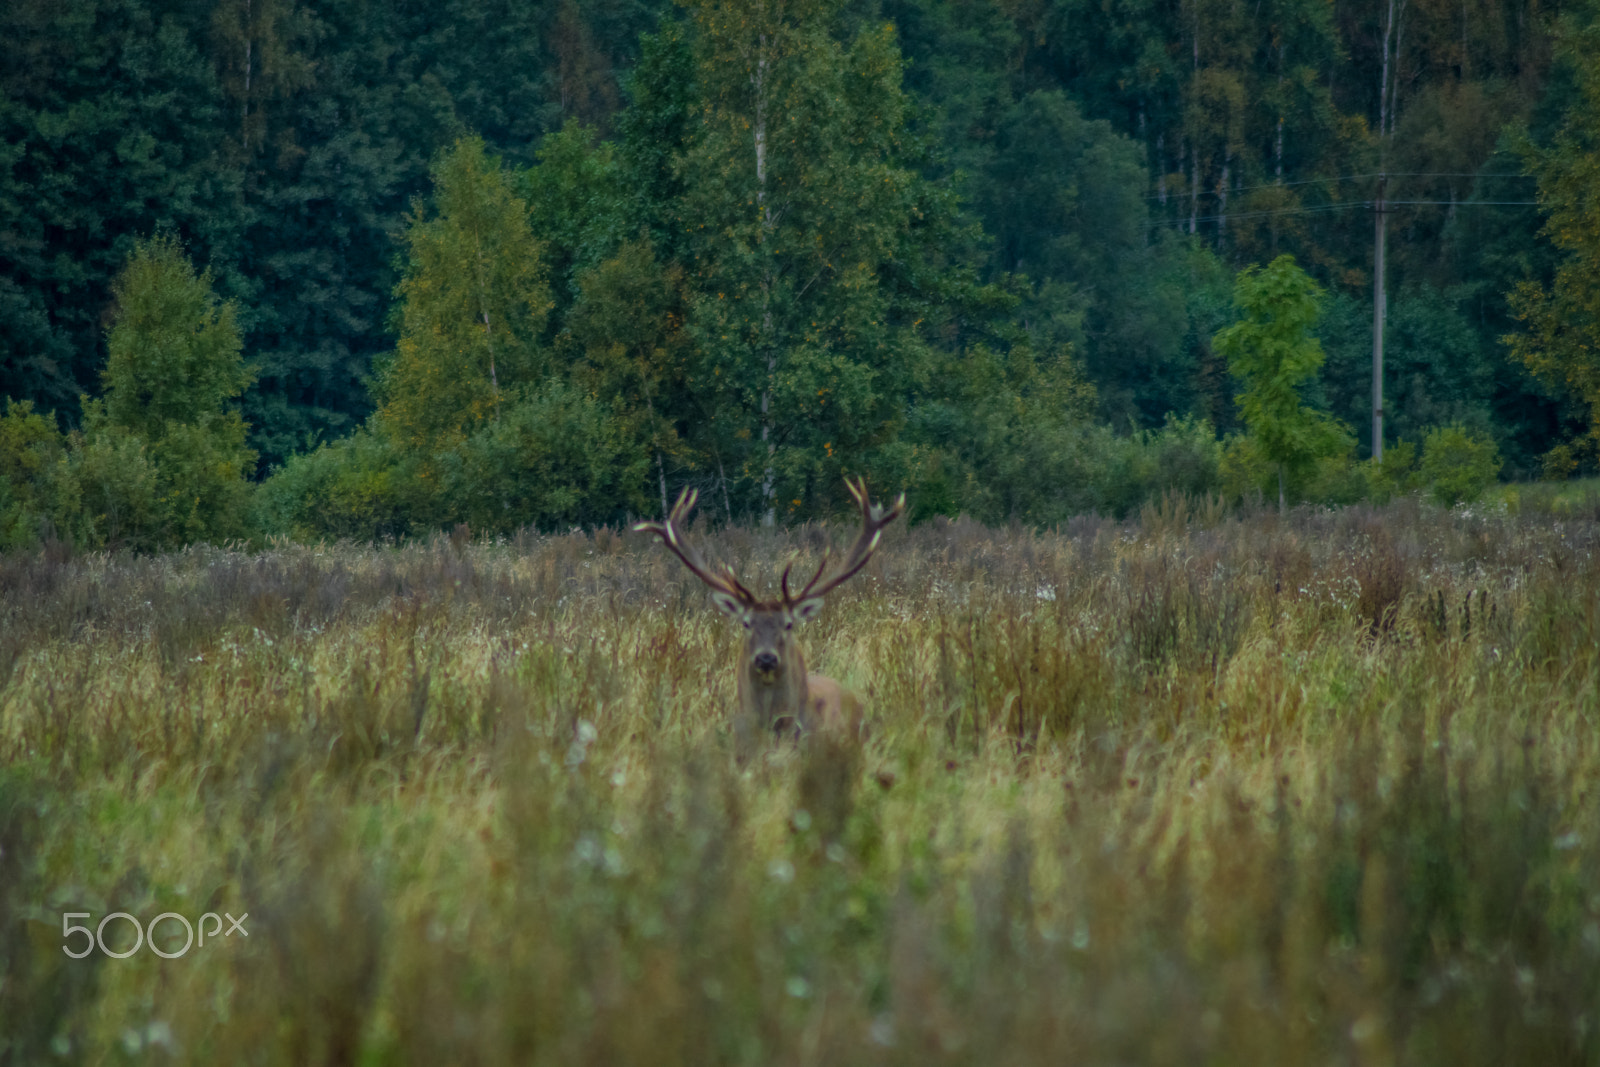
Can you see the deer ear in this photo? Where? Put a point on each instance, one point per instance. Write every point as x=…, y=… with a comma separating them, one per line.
x=806, y=609
x=729, y=605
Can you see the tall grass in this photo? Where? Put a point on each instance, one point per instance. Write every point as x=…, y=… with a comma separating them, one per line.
x=1201, y=788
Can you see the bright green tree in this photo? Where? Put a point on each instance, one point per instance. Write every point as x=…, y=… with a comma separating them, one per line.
x=1272, y=351
x=473, y=303
x=162, y=458
x=1561, y=339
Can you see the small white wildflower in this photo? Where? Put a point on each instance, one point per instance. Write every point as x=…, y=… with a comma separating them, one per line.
x=587, y=850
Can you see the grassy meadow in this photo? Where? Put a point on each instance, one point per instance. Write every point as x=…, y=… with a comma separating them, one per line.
x=1202, y=788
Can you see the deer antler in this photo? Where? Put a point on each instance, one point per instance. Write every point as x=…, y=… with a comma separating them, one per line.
x=873, y=519
x=726, y=582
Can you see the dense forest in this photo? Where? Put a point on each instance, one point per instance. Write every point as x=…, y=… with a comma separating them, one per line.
x=377, y=267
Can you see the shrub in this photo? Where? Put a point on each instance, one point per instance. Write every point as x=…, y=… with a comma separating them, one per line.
x=117, y=489
x=201, y=473
x=1005, y=440
x=1395, y=474
x=1183, y=456
x=1245, y=471
x=1458, y=464
x=1339, y=481
x=555, y=458
x=359, y=487
x=31, y=450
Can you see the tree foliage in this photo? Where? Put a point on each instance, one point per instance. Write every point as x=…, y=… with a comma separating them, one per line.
x=32, y=455
x=1272, y=351
x=164, y=459
x=812, y=247
x=174, y=349
x=629, y=326
x=753, y=246
x=1458, y=465
x=472, y=306
x=1560, y=339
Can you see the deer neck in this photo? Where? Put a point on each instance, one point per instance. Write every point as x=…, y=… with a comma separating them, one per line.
x=777, y=703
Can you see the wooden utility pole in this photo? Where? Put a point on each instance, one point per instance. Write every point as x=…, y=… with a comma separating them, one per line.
x=1380, y=216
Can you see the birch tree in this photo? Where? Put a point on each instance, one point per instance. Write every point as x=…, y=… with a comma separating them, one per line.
x=472, y=304
x=162, y=458
x=803, y=228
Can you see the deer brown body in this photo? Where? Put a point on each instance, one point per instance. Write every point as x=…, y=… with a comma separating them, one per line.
x=775, y=692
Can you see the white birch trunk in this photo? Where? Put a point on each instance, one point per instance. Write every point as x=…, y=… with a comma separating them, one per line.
x=1394, y=91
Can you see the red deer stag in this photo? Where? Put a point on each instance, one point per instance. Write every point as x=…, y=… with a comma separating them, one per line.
x=775, y=691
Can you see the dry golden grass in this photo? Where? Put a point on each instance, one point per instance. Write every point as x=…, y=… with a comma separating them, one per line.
x=1201, y=789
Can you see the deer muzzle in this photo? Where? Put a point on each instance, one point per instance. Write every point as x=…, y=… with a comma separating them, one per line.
x=765, y=664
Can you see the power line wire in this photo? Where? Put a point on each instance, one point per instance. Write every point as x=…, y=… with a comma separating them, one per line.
x=1469, y=203
x=1279, y=185
x=1446, y=174
x=1314, y=210
x=1351, y=178
x=1320, y=208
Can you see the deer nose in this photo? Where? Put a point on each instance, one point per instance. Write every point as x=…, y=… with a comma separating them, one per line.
x=766, y=662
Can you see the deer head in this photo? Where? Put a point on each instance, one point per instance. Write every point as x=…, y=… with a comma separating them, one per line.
x=775, y=693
